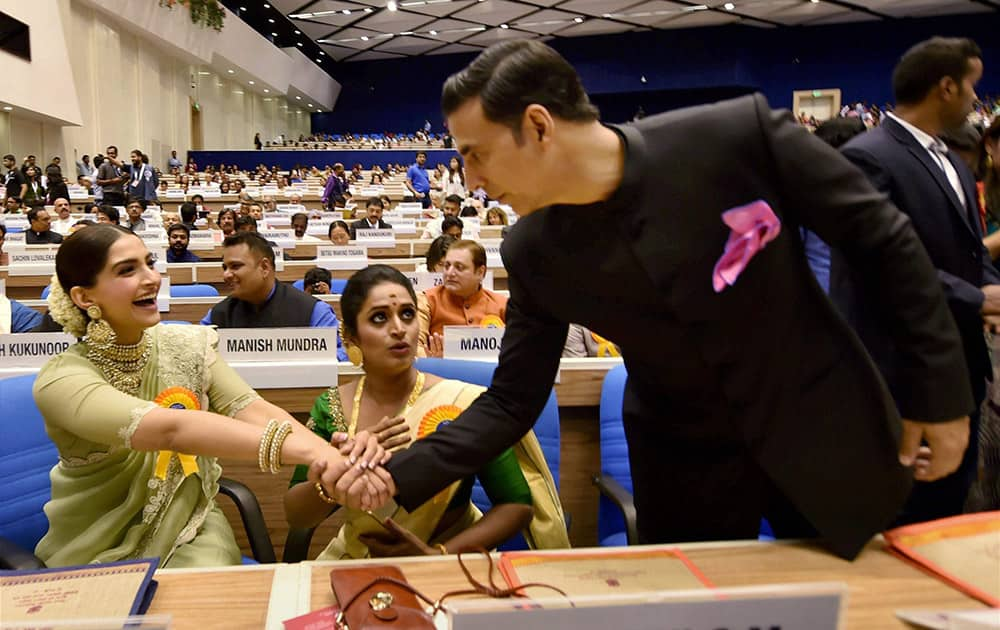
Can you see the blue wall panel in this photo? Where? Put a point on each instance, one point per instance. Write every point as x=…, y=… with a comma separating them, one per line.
x=399, y=94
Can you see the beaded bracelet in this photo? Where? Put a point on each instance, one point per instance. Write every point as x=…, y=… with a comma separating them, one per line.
x=440, y=547
x=323, y=495
x=263, y=451
x=284, y=430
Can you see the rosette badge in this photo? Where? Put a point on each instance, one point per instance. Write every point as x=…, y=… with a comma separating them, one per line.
x=176, y=398
x=491, y=321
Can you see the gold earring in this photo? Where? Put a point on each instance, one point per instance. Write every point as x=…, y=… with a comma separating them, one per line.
x=354, y=355
x=99, y=331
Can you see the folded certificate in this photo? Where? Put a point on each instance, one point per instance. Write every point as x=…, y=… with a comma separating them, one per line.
x=118, y=589
x=963, y=551
x=604, y=572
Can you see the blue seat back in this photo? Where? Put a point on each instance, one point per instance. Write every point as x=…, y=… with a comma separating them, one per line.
x=26, y=457
x=336, y=285
x=193, y=290
x=45, y=291
x=546, y=427
x=614, y=456
x=173, y=322
x=300, y=284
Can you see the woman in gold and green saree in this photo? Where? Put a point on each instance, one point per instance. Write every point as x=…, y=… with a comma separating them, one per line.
x=397, y=404
x=139, y=412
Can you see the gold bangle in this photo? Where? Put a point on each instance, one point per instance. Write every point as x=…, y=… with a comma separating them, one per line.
x=263, y=451
x=440, y=547
x=323, y=495
x=277, y=441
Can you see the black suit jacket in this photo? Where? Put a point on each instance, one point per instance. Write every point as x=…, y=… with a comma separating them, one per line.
x=900, y=167
x=788, y=374
x=362, y=224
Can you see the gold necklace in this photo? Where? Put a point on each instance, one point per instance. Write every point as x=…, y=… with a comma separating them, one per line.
x=121, y=365
x=356, y=409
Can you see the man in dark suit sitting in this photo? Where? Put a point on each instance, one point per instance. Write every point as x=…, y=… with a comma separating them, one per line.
x=40, y=232
x=934, y=85
x=258, y=300
x=748, y=395
x=373, y=220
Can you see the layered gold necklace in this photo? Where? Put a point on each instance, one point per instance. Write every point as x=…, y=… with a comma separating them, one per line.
x=121, y=365
x=356, y=409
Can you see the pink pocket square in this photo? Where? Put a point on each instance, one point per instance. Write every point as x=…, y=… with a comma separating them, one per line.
x=753, y=226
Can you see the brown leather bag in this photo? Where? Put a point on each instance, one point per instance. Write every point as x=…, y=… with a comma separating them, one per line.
x=377, y=596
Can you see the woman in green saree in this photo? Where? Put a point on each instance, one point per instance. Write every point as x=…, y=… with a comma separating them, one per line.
x=397, y=403
x=139, y=412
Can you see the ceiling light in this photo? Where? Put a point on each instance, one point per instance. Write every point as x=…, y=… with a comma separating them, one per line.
x=729, y=6
x=504, y=26
x=298, y=98
x=346, y=11
x=322, y=53
x=407, y=33
x=364, y=38
x=391, y=5
x=298, y=32
x=310, y=104
x=606, y=15
x=434, y=33
x=274, y=34
x=243, y=8
x=267, y=91
x=271, y=20
x=231, y=71
x=369, y=10
x=203, y=73
x=267, y=6
x=298, y=43
x=252, y=83
x=318, y=60
x=8, y=108
x=814, y=1
x=578, y=20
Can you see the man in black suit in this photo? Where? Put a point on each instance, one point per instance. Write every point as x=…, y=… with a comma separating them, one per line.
x=934, y=85
x=373, y=218
x=748, y=396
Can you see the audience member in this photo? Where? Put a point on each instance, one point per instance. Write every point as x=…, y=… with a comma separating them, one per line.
x=39, y=232
x=108, y=214
x=179, y=237
x=461, y=300
x=317, y=281
x=56, y=188
x=15, y=182
x=111, y=177
x=246, y=224
x=434, y=259
x=4, y=257
x=339, y=233
x=452, y=226
x=34, y=192
x=496, y=216
x=189, y=214
x=16, y=317
x=454, y=178
x=257, y=299
x=226, y=221
x=12, y=205
x=300, y=223
x=63, y=222
x=417, y=180
x=451, y=208
x=336, y=189
x=134, y=210
x=373, y=219
x=173, y=162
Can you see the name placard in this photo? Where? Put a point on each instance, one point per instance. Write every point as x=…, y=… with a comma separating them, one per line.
x=174, y=193
x=202, y=239
x=277, y=218
x=346, y=257
x=32, y=349
x=278, y=344
x=16, y=222
x=152, y=238
x=290, y=207
x=423, y=280
x=283, y=238
x=493, y=255
x=159, y=252
x=15, y=240
x=211, y=193
x=404, y=226
x=472, y=342
x=376, y=238
x=78, y=193
x=32, y=262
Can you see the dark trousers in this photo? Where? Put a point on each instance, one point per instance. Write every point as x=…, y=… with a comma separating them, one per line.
x=113, y=198
x=426, y=200
x=694, y=480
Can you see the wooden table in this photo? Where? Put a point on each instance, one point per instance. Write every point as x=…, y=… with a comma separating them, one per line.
x=878, y=583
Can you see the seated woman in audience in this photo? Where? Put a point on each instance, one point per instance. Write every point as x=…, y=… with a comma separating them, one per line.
x=434, y=259
x=496, y=216
x=339, y=233
x=224, y=188
x=108, y=214
x=469, y=211
x=454, y=180
x=184, y=182
x=139, y=412
x=376, y=179
x=400, y=404
x=226, y=221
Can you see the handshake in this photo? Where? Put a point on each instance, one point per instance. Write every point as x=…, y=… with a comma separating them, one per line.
x=351, y=472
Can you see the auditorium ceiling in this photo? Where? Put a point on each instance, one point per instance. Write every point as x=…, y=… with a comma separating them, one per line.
x=362, y=30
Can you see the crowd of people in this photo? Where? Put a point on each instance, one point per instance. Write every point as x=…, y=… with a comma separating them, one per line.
x=880, y=373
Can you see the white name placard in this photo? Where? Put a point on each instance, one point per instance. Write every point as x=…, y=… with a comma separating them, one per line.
x=290, y=207
x=472, y=342
x=493, y=255
x=277, y=218
x=336, y=215
x=347, y=257
x=376, y=238
x=16, y=222
x=78, y=193
x=279, y=258
x=159, y=252
x=423, y=280
x=278, y=344
x=211, y=193
x=282, y=238
x=33, y=262
x=202, y=239
x=32, y=349
x=404, y=226
x=174, y=193
x=152, y=238
x=15, y=240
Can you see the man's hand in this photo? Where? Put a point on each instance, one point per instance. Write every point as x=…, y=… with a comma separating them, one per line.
x=946, y=443
x=991, y=300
